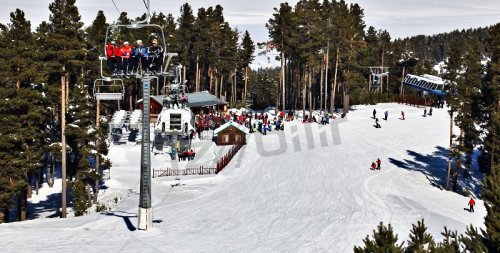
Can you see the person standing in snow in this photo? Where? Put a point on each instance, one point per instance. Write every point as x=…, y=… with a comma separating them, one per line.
x=425, y=112
x=403, y=115
x=430, y=111
x=374, y=166
x=386, y=113
x=471, y=205
x=374, y=113
x=377, y=125
x=378, y=164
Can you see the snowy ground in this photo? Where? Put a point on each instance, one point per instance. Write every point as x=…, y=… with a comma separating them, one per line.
x=307, y=189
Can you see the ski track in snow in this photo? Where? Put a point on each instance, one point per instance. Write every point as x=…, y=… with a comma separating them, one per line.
x=310, y=199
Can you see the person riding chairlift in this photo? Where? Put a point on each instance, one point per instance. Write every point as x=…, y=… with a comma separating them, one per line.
x=155, y=54
x=113, y=59
x=126, y=51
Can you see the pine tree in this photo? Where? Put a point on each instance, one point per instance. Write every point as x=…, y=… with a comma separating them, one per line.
x=454, y=80
x=420, y=241
x=450, y=242
x=23, y=114
x=490, y=158
x=383, y=241
x=246, y=56
x=473, y=241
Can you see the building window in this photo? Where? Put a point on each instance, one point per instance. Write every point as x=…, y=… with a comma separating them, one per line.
x=225, y=138
x=237, y=138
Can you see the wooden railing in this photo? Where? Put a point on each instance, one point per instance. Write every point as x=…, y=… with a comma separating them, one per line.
x=183, y=172
x=414, y=101
x=221, y=164
x=224, y=161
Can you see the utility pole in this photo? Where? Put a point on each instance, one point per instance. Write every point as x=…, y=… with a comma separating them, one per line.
x=145, y=215
x=63, y=143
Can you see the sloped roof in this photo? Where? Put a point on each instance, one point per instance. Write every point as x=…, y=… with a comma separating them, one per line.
x=234, y=124
x=204, y=98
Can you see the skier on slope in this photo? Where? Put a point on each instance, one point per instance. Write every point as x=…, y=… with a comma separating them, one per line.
x=374, y=166
x=425, y=112
x=374, y=113
x=378, y=164
x=386, y=113
x=403, y=115
x=471, y=205
x=377, y=125
x=430, y=111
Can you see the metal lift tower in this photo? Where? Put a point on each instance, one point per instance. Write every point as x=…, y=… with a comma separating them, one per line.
x=145, y=215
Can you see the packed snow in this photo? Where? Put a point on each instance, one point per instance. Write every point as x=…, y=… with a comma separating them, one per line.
x=306, y=189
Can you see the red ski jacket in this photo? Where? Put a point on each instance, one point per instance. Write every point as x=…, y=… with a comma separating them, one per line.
x=113, y=51
x=472, y=202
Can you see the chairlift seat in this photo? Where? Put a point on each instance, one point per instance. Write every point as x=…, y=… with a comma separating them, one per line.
x=108, y=96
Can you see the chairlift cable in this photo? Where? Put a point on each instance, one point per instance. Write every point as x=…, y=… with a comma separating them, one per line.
x=119, y=13
x=146, y=5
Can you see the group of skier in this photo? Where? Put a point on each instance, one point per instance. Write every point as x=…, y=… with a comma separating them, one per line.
x=376, y=165
x=124, y=59
x=425, y=112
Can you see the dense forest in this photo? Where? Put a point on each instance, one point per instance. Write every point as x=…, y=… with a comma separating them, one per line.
x=325, y=49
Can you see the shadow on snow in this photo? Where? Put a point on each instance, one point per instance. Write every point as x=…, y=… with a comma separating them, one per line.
x=435, y=168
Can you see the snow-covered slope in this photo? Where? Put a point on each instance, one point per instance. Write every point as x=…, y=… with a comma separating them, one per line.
x=307, y=189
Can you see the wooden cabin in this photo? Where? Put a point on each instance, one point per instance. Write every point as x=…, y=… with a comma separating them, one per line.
x=231, y=133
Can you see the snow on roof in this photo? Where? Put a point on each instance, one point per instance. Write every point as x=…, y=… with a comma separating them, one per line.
x=231, y=123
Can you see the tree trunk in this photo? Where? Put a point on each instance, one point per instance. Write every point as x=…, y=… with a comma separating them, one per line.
x=246, y=86
x=451, y=154
x=311, y=73
x=63, y=142
x=21, y=204
x=334, y=87
x=304, y=86
x=221, y=83
x=321, y=84
x=37, y=185
x=402, y=80
x=197, y=70
x=6, y=215
x=97, y=160
x=283, y=77
x=50, y=177
x=29, y=187
x=89, y=194
x=327, y=60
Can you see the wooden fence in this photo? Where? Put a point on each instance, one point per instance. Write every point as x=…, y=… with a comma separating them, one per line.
x=221, y=164
x=224, y=161
x=414, y=101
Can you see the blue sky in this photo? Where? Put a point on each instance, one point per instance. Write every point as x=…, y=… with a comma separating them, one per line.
x=401, y=18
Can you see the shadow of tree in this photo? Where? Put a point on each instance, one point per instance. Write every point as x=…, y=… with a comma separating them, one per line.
x=50, y=206
x=435, y=168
